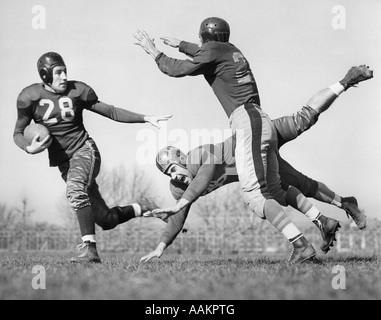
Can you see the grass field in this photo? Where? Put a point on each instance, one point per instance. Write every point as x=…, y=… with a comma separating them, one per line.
x=177, y=277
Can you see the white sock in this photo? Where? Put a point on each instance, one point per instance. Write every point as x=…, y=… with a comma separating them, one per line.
x=137, y=209
x=291, y=232
x=337, y=88
x=336, y=201
x=313, y=213
x=89, y=237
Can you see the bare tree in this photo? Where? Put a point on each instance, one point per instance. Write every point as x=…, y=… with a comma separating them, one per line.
x=121, y=186
x=225, y=210
x=8, y=217
x=24, y=212
x=68, y=213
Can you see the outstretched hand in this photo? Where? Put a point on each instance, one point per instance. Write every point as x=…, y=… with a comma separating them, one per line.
x=162, y=214
x=172, y=42
x=157, y=253
x=165, y=213
x=155, y=120
x=147, y=43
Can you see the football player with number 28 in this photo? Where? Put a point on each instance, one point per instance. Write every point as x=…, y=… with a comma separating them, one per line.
x=58, y=104
x=228, y=72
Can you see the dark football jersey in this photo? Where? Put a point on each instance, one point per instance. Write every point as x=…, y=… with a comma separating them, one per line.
x=224, y=67
x=221, y=157
x=60, y=113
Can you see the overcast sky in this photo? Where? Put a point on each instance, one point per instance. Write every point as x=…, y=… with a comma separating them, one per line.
x=295, y=48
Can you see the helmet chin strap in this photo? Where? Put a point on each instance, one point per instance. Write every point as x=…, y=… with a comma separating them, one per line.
x=48, y=86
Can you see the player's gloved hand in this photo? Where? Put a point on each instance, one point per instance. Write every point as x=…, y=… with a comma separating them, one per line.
x=172, y=42
x=157, y=253
x=155, y=120
x=39, y=146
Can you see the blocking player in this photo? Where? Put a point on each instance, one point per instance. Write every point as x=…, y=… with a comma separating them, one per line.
x=228, y=72
x=58, y=104
x=209, y=167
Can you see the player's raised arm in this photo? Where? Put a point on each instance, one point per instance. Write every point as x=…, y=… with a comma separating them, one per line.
x=188, y=48
x=174, y=67
x=147, y=43
x=172, y=42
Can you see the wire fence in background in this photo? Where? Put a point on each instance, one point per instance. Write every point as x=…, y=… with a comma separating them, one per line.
x=200, y=241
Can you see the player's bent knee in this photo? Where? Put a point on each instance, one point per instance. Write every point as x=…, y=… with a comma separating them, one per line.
x=280, y=196
x=77, y=196
x=256, y=204
x=107, y=221
x=310, y=187
x=107, y=225
x=79, y=202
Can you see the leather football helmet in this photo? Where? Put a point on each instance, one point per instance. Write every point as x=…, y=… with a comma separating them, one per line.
x=214, y=29
x=45, y=65
x=170, y=155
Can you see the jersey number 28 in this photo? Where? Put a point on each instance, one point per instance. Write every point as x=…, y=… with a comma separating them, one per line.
x=66, y=106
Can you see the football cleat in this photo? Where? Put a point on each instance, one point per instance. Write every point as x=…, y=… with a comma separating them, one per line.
x=356, y=75
x=349, y=204
x=328, y=228
x=302, y=251
x=88, y=253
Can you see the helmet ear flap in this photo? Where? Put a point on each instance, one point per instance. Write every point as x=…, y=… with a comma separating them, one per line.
x=45, y=75
x=46, y=63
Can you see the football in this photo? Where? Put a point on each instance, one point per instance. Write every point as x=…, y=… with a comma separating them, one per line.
x=34, y=129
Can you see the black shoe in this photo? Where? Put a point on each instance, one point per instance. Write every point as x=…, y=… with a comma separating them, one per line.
x=328, y=228
x=89, y=253
x=349, y=204
x=302, y=251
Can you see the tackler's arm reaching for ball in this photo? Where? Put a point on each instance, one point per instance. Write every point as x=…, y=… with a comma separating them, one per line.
x=186, y=186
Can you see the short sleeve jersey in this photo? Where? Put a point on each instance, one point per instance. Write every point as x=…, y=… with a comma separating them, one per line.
x=60, y=113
